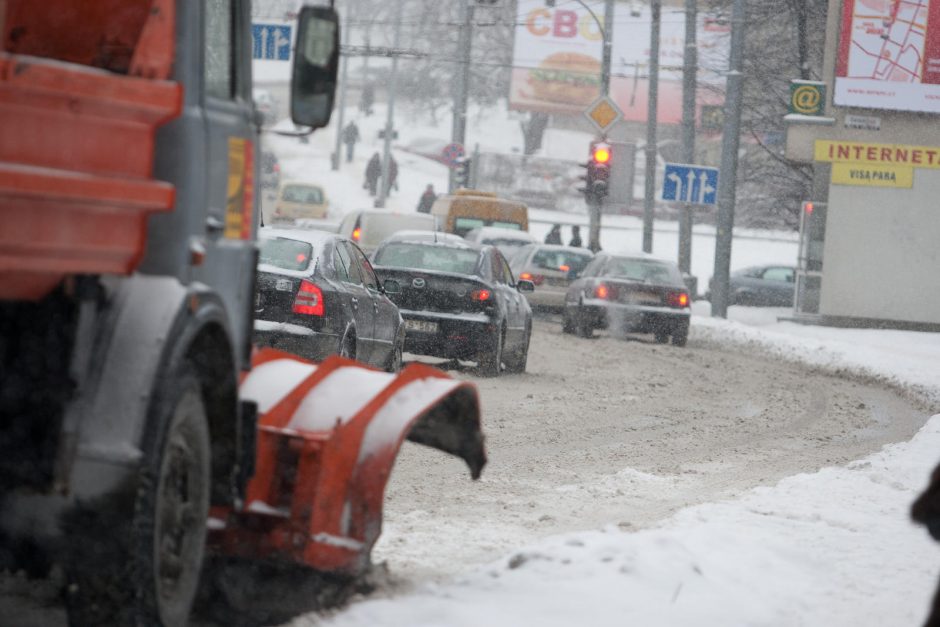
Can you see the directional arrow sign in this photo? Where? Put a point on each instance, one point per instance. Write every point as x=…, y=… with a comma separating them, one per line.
x=690, y=183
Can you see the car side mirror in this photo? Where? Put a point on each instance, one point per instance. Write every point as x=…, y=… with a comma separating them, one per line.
x=524, y=285
x=316, y=61
x=391, y=286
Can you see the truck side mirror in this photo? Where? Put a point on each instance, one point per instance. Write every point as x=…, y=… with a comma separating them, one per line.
x=316, y=61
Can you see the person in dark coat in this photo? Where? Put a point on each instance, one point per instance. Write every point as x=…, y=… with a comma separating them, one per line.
x=427, y=200
x=373, y=172
x=392, y=175
x=350, y=137
x=554, y=236
x=575, y=237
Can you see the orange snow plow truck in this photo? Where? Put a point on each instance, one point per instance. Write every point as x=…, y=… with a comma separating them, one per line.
x=145, y=446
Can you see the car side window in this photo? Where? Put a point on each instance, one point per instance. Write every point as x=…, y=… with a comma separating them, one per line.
x=353, y=274
x=499, y=273
x=506, y=270
x=783, y=275
x=342, y=273
x=365, y=269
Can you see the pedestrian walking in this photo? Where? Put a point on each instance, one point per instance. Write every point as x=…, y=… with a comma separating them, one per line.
x=367, y=99
x=373, y=171
x=392, y=175
x=350, y=137
x=554, y=236
x=575, y=237
x=427, y=200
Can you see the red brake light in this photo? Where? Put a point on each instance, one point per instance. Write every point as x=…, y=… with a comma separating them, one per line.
x=808, y=207
x=537, y=279
x=309, y=300
x=526, y=276
x=602, y=291
x=564, y=268
x=357, y=233
x=678, y=299
x=481, y=295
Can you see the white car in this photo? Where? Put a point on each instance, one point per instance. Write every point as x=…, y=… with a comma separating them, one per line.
x=369, y=227
x=508, y=241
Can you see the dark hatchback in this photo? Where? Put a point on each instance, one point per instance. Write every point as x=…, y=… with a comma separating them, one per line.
x=627, y=293
x=459, y=301
x=318, y=295
x=760, y=286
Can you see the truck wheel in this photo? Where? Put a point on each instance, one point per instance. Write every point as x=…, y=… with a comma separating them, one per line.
x=490, y=362
x=155, y=560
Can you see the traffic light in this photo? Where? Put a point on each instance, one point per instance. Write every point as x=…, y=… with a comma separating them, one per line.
x=600, y=162
x=462, y=173
x=597, y=173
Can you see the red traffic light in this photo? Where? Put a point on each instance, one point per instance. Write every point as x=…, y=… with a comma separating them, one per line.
x=601, y=153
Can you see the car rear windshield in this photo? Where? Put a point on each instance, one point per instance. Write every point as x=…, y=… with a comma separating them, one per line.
x=428, y=257
x=377, y=227
x=302, y=193
x=288, y=254
x=565, y=260
x=645, y=270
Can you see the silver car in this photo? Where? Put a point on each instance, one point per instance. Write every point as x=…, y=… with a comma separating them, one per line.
x=551, y=268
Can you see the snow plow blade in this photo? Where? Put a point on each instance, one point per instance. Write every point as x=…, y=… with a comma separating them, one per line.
x=328, y=436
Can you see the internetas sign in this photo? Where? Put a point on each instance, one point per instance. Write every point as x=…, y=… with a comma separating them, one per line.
x=889, y=55
x=877, y=165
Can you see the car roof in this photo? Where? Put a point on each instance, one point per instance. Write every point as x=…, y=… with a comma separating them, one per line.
x=311, y=236
x=495, y=231
x=574, y=249
x=301, y=184
x=637, y=255
x=423, y=236
x=449, y=243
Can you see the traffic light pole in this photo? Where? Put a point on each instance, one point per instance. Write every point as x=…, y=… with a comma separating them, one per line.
x=727, y=183
x=385, y=182
x=689, y=79
x=649, y=197
x=461, y=82
x=594, y=205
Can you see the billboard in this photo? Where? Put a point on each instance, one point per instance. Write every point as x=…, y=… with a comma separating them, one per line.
x=889, y=55
x=557, y=59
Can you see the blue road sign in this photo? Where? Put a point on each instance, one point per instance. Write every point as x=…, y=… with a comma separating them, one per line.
x=270, y=42
x=690, y=183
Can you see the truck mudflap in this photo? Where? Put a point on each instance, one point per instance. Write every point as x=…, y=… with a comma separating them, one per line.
x=328, y=437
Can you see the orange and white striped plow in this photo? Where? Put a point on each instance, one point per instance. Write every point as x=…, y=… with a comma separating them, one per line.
x=328, y=436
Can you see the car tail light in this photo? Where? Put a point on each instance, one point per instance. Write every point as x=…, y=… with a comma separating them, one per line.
x=564, y=268
x=602, y=291
x=678, y=299
x=357, y=234
x=309, y=300
x=481, y=295
x=537, y=279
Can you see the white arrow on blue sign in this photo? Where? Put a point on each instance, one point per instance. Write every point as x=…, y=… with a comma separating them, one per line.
x=690, y=183
x=270, y=42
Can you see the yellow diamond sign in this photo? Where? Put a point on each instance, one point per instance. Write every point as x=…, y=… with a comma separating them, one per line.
x=603, y=113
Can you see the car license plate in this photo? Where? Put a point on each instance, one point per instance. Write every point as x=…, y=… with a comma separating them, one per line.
x=422, y=326
x=645, y=298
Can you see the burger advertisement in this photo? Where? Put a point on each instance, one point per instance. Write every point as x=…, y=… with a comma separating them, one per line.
x=557, y=59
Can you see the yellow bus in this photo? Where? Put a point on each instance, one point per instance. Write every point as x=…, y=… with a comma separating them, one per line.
x=468, y=209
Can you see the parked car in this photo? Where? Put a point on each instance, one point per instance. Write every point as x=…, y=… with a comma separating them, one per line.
x=760, y=286
x=300, y=201
x=630, y=293
x=459, y=301
x=318, y=295
x=270, y=170
x=368, y=227
x=551, y=269
x=508, y=241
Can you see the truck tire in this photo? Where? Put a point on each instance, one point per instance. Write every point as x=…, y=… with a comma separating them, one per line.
x=143, y=569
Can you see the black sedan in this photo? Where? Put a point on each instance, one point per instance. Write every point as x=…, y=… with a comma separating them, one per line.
x=629, y=293
x=760, y=286
x=459, y=301
x=318, y=295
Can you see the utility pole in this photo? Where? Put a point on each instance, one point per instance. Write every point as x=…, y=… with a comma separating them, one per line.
x=338, y=151
x=730, y=143
x=594, y=207
x=649, y=199
x=390, y=120
x=461, y=82
x=689, y=79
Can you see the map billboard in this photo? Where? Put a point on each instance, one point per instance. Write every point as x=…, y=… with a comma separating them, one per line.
x=889, y=55
x=557, y=59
